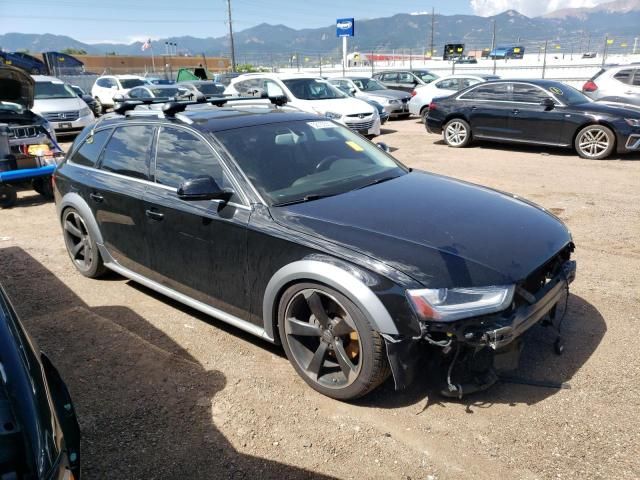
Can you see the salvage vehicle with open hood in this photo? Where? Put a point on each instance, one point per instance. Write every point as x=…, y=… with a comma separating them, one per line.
x=28, y=148
x=296, y=229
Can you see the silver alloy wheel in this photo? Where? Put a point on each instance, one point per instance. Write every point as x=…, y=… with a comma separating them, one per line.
x=323, y=338
x=456, y=133
x=77, y=239
x=593, y=142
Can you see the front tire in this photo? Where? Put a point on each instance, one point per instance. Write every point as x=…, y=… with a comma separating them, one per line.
x=330, y=343
x=595, y=142
x=99, y=108
x=8, y=196
x=457, y=133
x=81, y=246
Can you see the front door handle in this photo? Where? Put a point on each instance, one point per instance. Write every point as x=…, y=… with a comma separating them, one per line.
x=474, y=108
x=516, y=111
x=96, y=197
x=153, y=215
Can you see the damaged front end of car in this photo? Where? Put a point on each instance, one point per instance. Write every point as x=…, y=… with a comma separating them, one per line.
x=476, y=333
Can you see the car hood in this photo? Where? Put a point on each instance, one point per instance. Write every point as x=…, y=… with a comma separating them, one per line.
x=440, y=231
x=344, y=106
x=58, y=105
x=612, y=108
x=16, y=86
x=388, y=93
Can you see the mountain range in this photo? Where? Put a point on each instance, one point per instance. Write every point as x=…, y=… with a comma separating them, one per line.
x=577, y=28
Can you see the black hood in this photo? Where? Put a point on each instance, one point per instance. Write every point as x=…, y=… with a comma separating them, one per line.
x=440, y=231
x=16, y=86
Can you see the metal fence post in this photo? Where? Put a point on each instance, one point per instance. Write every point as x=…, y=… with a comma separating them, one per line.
x=372, y=68
x=544, y=59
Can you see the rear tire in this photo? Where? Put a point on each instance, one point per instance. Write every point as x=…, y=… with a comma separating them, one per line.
x=81, y=246
x=423, y=114
x=99, y=108
x=330, y=343
x=595, y=142
x=457, y=133
x=8, y=196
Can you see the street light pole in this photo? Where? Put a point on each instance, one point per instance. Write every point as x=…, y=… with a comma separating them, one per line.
x=233, y=50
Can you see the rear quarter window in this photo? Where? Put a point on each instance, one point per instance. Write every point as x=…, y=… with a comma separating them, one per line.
x=624, y=76
x=89, y=151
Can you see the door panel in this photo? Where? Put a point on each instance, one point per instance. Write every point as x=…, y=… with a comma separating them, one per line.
x=489, y=110
x=198, y=250
x=532, y=122
x=116, y=195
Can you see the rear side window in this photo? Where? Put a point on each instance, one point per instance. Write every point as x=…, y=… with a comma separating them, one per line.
x=492, y=91
x=181, y=156
x=128, y=150
x=448, y=84
x=636, y=77
x=89, y=152
x=624, y=76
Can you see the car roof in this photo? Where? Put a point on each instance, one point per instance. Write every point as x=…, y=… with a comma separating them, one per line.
x=216, y=119
x=534, y=81
x=46, y=78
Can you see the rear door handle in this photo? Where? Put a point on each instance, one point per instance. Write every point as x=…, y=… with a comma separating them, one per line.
x=516, y=111
x=474, y=108
x=153, y=215
x=96, y=197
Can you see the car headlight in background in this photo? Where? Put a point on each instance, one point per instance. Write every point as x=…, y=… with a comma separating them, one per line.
x=333, y=115
x=634, y=122
x=449, y=304
x=85, y=111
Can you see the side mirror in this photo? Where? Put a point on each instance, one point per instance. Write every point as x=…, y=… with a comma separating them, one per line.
x=203, y=187
x=118, y=98
x=383, y=146
x=353, y=91
x=548, y=104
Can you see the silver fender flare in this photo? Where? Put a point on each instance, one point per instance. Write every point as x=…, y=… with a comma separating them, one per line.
x=74, y=200
x=335, y=277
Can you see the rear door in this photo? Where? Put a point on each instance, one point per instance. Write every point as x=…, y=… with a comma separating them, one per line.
x=390, y=79
x=631, y=89
x=196, y=248
x=406, y=81
x=489, y=108
x=116, y=193
x=530, y=121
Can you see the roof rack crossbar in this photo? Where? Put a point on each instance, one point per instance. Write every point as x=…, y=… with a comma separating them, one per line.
x=173, y=105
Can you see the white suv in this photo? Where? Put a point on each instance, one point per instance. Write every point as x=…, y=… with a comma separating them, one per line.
x=313, y=95
x=107, y=86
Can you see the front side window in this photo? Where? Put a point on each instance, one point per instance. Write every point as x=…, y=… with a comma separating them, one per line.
x=272, y=88
x=527, y=93
x=369, y=85
x=449, y=84
x=89, y=152
x=491, y=91
x=245, y=86
x=636, y=77
x=390, y=77
x=181, y=156
x=131, y=82
x=299, y=161
x=127, y=152
x=426, y=77
x=312, y=89
x=210, y=88
x=405, y=77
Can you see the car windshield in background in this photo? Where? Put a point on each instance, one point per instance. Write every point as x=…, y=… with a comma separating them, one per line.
x=304, y=160
x=11, y=107
x=166, y=92
x=78, y=90
x=312, y=89
x=45, y=90
x=210, y=88
x=425, y=76
x=568, y=95
x=131, y=82
x=369, y=85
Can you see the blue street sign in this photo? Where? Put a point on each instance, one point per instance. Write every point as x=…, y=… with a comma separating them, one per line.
x=345, y=27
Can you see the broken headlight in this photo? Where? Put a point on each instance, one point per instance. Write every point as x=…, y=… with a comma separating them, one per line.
x=449, y=304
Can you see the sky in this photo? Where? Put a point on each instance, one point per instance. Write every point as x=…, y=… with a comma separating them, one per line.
x=126, y=21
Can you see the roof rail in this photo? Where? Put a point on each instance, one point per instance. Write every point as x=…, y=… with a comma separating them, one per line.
x=171, y=106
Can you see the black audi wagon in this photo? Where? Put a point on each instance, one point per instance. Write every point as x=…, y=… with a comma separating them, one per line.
x=292, y=227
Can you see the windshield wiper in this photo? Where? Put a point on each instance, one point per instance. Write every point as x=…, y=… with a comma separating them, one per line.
x=377, y=181
x=306, y=198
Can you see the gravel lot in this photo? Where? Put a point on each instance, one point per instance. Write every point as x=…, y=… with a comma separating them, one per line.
x=165, y=392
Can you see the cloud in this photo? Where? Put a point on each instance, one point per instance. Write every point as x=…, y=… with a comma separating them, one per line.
x=530, y=8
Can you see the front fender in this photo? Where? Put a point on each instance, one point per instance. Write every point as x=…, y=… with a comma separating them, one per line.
x=346, y=282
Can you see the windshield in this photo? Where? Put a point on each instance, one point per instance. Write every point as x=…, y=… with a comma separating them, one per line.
x=46, y=90
x=312, y=89
x=299, y=161
x=425, y=76
x=210, y=88
x=131, y=82
x=568, y=95
x=368, y=84
x=77, y=89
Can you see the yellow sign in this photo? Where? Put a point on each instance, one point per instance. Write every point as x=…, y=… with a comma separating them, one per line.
x=516, y=50
x=558, y=47
x=609, y=41
x=623, y=44
x=460, y=49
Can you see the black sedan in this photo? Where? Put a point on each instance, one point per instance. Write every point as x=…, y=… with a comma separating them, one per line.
x=93, y=103
x=537, y=112
x=294, y=228
x=39, y=433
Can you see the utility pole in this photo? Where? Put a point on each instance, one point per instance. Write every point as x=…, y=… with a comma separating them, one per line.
x=233, y=50
x=493, y=46
x=433, y=28
x=544, y=61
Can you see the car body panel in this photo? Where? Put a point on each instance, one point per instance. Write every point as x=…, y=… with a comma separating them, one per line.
x=619, y=84
x=394, y=101
x=442, y=87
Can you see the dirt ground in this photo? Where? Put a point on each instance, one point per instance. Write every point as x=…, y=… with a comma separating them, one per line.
x=164, y=392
